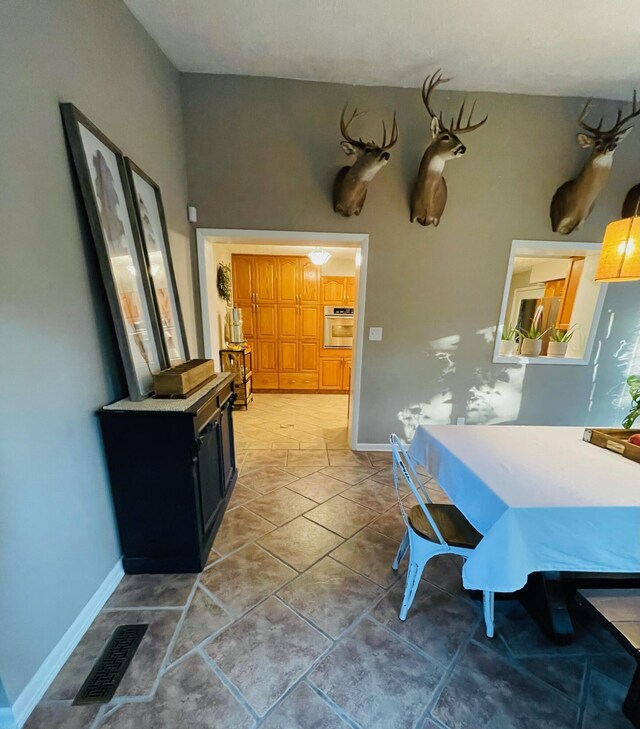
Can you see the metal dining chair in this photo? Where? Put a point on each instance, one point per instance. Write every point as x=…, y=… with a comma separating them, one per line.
x=431, y=529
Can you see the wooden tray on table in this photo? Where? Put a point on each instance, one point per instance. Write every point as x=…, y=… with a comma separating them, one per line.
x=614, y=439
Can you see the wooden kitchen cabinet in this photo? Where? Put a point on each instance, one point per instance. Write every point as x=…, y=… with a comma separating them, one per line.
x=335, y=371
x=266, y=355
x=288, y=321
x=350, y=290
x=346, y=375
x=334, y=290
x=266, y=322
x=248, y=318
x=281, y=298
x=308, y=356
x=265, y=276
x=331, y=374
x=289, y=356
x=242, y=276
x=309, y=282
x=288, y=280
x=310, y=321
x=570, y=290
x=338, y=290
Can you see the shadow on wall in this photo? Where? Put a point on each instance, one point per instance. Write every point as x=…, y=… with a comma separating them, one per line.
x=490, y=396
x=494, y=395
x=617, y=355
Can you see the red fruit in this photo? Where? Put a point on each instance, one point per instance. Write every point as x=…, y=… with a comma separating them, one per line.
x=635, y=439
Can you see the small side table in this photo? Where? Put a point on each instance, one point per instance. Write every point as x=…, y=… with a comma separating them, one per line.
x=240, y=362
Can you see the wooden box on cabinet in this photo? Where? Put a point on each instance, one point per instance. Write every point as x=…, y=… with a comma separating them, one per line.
x=172, y=470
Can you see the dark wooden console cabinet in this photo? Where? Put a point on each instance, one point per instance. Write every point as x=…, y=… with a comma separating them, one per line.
x=172, y=470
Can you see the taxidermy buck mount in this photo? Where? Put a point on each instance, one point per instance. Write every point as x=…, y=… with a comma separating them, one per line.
x=350, y=186
x=631, y=203
x=573, y=202
x=429, y=195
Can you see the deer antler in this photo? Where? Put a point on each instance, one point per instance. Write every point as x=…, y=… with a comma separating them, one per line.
x=455, y=127
x=620, y=120
x=394, y=134
x=434, y=81
x=344, y=126
x=469, y=127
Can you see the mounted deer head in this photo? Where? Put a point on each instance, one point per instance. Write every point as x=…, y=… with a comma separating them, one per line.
x=350, y=186
x=573, y=202
x=631, y=203
x=429, y=195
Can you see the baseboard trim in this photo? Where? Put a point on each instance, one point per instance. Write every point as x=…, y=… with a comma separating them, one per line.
x=43, y=678
x=373, y=446
x=6, y=719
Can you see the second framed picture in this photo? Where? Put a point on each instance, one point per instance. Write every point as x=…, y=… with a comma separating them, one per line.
x=147, y=203
x=103, y=183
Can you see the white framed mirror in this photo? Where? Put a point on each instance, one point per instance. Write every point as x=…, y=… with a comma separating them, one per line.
x=551, y=303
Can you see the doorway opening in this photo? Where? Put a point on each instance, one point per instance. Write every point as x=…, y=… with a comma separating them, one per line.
x=302, y=321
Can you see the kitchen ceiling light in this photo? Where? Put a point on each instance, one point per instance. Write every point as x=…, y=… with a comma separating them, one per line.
x=319, y=256
x=620, y=254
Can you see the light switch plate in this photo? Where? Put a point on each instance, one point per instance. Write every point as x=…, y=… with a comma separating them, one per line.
x=375, y=334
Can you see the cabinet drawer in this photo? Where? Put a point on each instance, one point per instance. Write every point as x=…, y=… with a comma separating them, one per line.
x=265, y=380
x=299, y=381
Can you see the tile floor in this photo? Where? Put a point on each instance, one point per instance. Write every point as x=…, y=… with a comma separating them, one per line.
x=293, y=624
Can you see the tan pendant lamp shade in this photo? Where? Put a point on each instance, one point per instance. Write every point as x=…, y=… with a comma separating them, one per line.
x=620, y=254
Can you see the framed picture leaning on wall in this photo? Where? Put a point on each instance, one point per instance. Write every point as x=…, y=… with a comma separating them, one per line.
x=103, y=183
x=147, y=202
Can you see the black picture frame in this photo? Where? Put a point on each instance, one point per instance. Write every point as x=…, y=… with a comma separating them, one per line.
x=152, y=224
x=108, y=202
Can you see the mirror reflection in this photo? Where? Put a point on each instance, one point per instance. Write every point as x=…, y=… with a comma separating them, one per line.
x=551, y=302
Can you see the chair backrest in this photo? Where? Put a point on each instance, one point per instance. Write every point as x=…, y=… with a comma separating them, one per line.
x=402, y=465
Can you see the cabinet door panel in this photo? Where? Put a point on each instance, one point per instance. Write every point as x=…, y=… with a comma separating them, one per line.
x=309, y=282
x=308, y=356
x=570, y=290
x=288, y=321
x=287, y=280
x=264, y=272
x=350, y=290
x=242, y=275
x=288, y=356
x=331, y=374
x=248, y=323
x=266, y=325
x=310, y=322
x=267, y=355
x=333, y=290
x=227, y=446
x=346, y=375
x=209, y=473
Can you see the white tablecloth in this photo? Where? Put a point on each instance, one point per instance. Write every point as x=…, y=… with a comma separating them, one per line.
x=543, y=499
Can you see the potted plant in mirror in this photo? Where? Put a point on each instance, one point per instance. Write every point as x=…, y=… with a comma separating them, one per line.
x=531, y=344
x=634, y=413
x=509, y=341
x=559, y=341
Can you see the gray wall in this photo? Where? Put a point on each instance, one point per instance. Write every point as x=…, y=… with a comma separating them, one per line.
x=57, y=535
x=262, y=154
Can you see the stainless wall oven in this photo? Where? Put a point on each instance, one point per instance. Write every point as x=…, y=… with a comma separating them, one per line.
x=338, y=327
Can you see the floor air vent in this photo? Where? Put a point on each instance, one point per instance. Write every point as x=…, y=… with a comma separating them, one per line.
x=107, y=672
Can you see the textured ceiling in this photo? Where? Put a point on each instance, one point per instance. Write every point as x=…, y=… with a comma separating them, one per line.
x=572, y=47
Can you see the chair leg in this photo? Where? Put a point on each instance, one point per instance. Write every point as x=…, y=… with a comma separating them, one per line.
x=401, y=551
x=488, y=605
x=419, y=555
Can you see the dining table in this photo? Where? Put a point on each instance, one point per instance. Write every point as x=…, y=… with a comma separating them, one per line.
x=547, y=502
